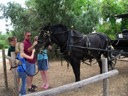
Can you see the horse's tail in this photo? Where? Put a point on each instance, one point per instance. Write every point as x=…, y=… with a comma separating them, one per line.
x=108, y=41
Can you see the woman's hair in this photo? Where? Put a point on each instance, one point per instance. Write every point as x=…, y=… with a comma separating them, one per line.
x=10, y=39
x=19, y=47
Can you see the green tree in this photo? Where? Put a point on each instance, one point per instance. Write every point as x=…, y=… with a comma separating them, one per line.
x=108, y=9
x=21, y=19
x=3, y=41
x=81, y=14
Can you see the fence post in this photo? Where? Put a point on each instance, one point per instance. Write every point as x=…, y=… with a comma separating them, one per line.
x=15, y=73
x=105, y=81
x=5, y=70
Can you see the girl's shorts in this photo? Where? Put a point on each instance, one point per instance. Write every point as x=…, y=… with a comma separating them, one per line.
x=43, y=64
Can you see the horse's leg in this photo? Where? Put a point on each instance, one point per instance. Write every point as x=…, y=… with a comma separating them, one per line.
x=109, y=58
x=75, y=63
x=100, y=64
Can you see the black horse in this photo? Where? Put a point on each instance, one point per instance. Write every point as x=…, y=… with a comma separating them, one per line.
x=74, y=45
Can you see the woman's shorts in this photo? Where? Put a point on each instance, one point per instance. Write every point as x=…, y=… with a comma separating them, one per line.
x=43, y=64
x=30, y=68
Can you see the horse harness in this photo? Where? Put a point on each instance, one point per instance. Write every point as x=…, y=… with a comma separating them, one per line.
x=66, y=47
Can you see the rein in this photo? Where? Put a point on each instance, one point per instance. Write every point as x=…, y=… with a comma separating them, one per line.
x=28, y=73
x=12, y=67
x=66, y=44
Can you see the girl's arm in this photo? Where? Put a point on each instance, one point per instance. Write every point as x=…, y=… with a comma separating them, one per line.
x=27, y=56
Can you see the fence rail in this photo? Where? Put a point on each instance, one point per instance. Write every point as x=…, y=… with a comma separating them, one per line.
x=104, y=76
x=71, y=86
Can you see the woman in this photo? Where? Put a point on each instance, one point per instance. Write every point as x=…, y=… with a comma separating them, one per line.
x=21, y=69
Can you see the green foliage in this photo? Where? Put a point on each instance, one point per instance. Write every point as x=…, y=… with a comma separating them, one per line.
x=83, y=15
x=3, y=41
x=1, y=44
x=108, y=29
x=108, y=9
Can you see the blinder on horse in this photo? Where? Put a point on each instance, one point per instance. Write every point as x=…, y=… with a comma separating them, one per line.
x=46, y=34
x=41, y=42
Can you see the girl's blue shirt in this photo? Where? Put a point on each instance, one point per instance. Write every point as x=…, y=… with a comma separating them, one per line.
x=42, y=55
x=22, y=66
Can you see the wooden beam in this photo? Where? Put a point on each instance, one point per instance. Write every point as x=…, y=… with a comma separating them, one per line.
x=5, y=69
x=10, y=58
x=71, y=86
x=13, y=60
x=105, y=81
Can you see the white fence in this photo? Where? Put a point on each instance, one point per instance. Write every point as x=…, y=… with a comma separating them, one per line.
x=54, y=91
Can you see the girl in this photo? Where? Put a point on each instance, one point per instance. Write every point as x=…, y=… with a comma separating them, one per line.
x=22, y=67
x=43, y=66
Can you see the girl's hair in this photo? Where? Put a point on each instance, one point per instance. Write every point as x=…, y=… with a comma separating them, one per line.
x=19, y=47
x=10, y=39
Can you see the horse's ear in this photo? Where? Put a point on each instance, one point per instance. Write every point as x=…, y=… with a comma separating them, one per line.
x=48, y=24
x=46, y=27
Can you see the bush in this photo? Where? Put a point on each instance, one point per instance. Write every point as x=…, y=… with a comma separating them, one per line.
x=3, y=41
x=1, y=45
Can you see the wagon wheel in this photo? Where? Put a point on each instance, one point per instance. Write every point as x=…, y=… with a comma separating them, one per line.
x=114, y=61
x=89, y=62
x=114, y=57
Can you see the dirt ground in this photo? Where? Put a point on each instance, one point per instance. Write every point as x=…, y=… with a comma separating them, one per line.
x=60, y=75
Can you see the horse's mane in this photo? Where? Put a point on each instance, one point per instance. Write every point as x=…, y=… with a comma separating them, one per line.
x=61, y=26
x=64, y=27
x=48, y=27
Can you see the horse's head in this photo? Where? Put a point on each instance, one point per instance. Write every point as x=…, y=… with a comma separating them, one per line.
x=44, y=39
x=57, y=34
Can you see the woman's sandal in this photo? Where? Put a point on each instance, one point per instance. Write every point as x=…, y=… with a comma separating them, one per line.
x=42, y=86
x=46, y=87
